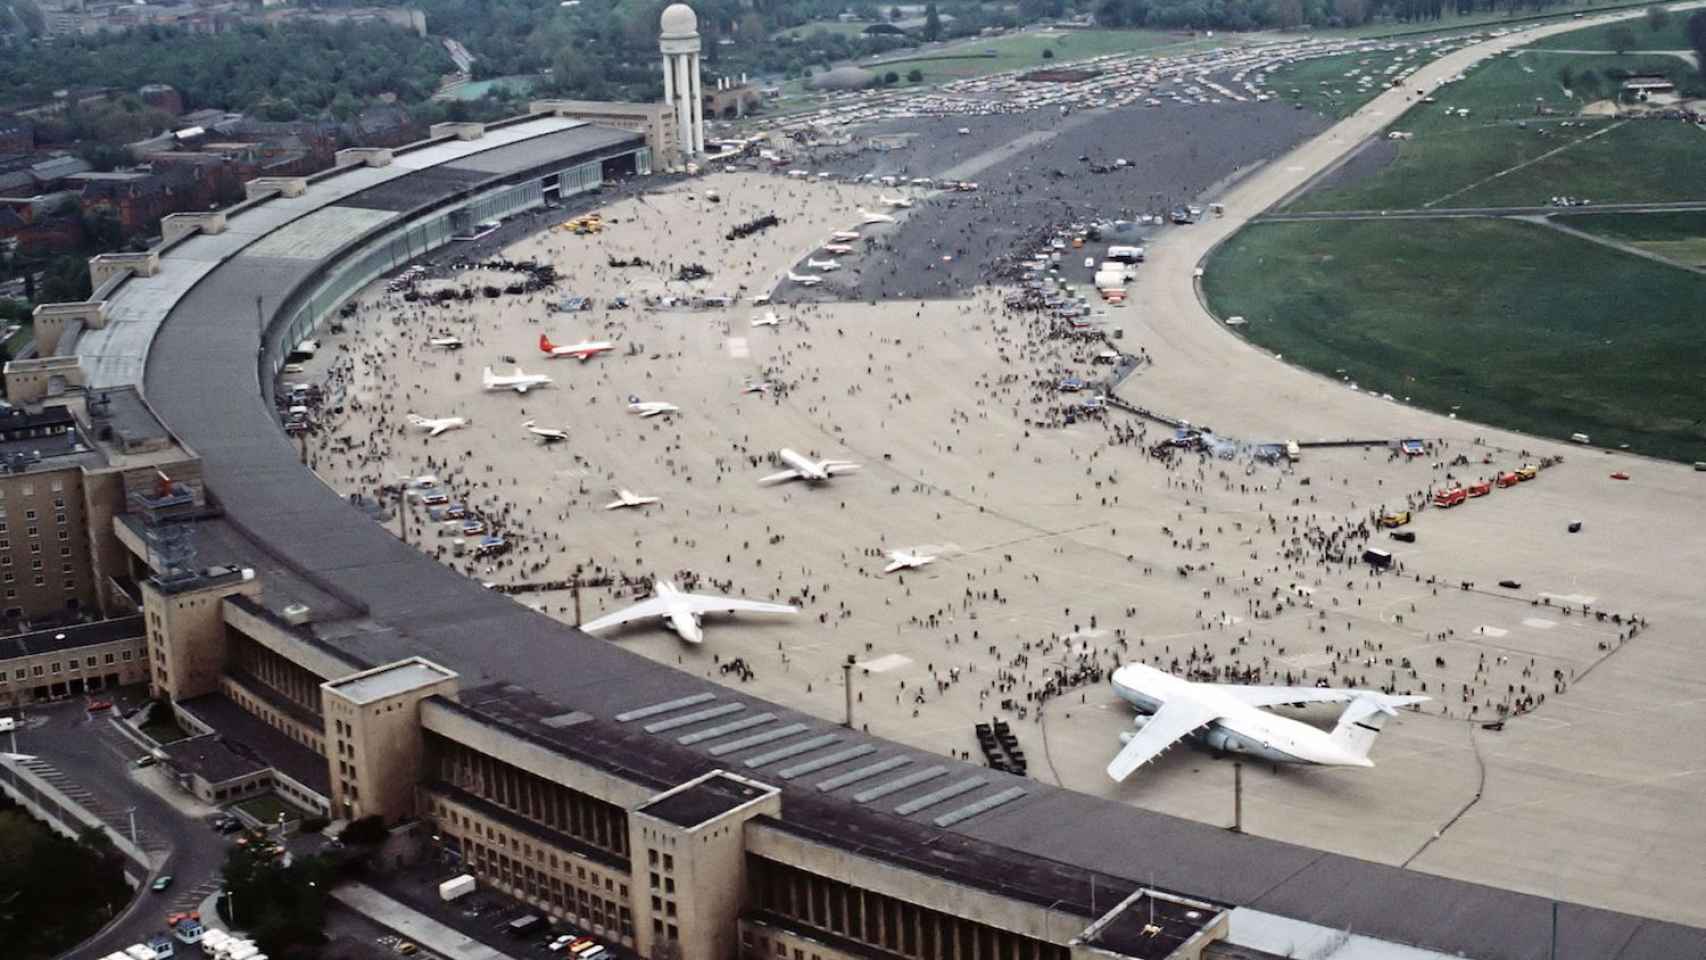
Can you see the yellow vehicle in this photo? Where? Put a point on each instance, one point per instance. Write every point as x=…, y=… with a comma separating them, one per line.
x=1527, y=472
x=591, y=223
x=1395, y=519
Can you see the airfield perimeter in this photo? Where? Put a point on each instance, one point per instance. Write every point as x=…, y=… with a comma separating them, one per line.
x=1061, y=552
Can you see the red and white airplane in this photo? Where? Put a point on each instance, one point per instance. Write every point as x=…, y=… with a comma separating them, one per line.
x=585, y=350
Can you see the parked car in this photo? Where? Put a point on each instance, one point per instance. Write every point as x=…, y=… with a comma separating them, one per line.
x=161, y=882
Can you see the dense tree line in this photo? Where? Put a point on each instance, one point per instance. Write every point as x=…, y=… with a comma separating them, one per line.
x=280, y=72
x=54, y=892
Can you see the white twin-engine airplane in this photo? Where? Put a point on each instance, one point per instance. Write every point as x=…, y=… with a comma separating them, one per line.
x=518, y=381
x=837, y=248
x=843, y=236
x=1228, y=716
x=806, y=281
x=906, y=560
x=801, y=467
x=438, y=426
x=867, y=217
x=650, y=408
x=770, y=319
x=446, y=343
x=824, y=265
x=628, y=498
x=681, y=611
x=585, y=350
x=546, y=434
x=894, y=201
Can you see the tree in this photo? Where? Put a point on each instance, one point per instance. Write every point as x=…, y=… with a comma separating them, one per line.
x=1048, y=53
x=1658, y=18
x=896, y=13
x=915, y=75
x=29, y=13
x=932, y=24
x=1566, y=77
x=1697, y=38
x=283, y=907
x=1620, y=39
x=891, y=78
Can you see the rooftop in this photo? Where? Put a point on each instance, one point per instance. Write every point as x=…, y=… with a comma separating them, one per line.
x=382, y=683
x=213, y=758
x=1150, y=926
x=70, y=638
x=707, y=798
x=251, y=736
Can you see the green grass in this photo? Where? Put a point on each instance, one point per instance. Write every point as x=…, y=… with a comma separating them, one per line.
x=1671, y=37
x=1321, y=84
x=1482, y=18
x=1510, y=323
x=1680, y=236
x=832, y=27
x=1021, y=51
x=1450, y=156
x=267, y=807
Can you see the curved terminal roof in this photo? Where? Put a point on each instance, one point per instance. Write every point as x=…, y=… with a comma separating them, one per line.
x=193, y=335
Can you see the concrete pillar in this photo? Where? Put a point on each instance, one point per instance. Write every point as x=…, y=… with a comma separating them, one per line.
x=669, y=79
x=698, y=110
x=684, y=105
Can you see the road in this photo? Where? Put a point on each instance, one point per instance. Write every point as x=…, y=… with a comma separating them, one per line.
x=95, y=761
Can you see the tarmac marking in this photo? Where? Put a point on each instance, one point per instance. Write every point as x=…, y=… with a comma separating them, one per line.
x=1494, y=632
x=893, y=661
x=1539, y=623
x=738, y=348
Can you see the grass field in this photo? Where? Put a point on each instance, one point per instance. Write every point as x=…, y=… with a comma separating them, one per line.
x=833, y=27
x=1322, y=84
x=1491, y=19
x=1506, y=323
x=1671, y=37
x=1457, y=161
x=1020, y=51
x=1678, y=236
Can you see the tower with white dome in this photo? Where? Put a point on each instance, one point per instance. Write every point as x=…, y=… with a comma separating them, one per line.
x=679, y=42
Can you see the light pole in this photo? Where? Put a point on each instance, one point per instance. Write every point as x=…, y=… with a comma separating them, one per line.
x=231, y=906
x=132, y=812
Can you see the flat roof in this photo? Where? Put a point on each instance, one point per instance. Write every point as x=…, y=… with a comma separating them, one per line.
x=259, y=739
x=390, y=680
x=214, y=758
x=1045, y=846
x=706, y=799
x=70, y=638
x=1150, y=927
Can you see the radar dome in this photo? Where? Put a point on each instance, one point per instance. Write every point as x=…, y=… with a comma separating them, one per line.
x=679, y=20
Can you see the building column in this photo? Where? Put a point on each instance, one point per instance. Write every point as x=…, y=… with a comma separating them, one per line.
x=684, y=105
x=669, y=79
x=698, y=110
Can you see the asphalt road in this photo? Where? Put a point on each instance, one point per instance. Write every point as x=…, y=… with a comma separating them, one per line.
x=98, y=760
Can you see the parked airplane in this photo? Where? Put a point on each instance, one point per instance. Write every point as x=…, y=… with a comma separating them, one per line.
x=805, y=281
x=867, y=217
x=627, y=498
x=650, y=408
x=906, y=560
x=518, y=381
x=824, y=265
x=1228, y=717
x=839, y=249
x=446, y=343
x=682, y=611
x=546, y=434
x=438, y=426
x=770, y=319
x=894, y=201
x=805, y=468
x=756, y=386
x=843, y=236
x=585, y=350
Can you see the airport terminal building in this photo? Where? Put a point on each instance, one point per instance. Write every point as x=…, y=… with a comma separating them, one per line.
x=316, y=654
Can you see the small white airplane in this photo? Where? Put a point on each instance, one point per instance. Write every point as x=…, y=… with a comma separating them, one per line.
x=627, y=498
x=682, y=611
x=770, y=319
x=1228, y=716
x=756, y=386
x=446, y=343
x=838, y=249
x=438, y=426
x=518, y=381
x=824, y=265
x=906, y=560
x=546, y=434
x=585, y=350
x=650, y=408
x=843, y=236
x=894, y=201
x=805, y=468
x=867, y=217
x=805, y=281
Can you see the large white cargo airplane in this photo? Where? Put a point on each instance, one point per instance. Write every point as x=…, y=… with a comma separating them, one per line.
x=435, y=427
x=546, y=434
x=650, y=408
x=894, y=201
x=681, y=611
x=806, y=281
x=518, y=381
x=585, y=350
x=1227, y=716
x=801, y=467
x=824, y=265
x=628, y=498
x=906, y=560
x=867, y=217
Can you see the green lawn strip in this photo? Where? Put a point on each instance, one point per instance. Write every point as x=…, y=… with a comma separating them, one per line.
x=1508, y=323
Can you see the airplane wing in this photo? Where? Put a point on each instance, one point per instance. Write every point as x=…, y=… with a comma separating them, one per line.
x=437, y=429
x=895, y=565
x=1257, y=696
x=522, y=387
x=705, y=603
x=779, y=477
x=1172, y=723
x=834, y=467
x=655, y=607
